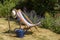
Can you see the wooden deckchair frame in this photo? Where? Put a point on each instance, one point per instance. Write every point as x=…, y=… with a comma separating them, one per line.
x=29, y=21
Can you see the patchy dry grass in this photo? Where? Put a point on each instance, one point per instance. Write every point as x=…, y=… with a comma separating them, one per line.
x=43, y=34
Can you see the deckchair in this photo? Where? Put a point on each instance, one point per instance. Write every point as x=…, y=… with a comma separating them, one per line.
x=19, y=14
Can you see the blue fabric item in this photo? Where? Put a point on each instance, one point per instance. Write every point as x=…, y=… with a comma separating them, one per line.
x=20, y=33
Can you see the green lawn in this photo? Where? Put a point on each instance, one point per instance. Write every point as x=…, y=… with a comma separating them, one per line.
x=43, y=34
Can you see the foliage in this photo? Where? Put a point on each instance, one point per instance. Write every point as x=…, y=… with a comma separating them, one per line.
x=40, y=6
x=51, y=23
x=32, y=16
x=47, y=21
x=6, y=6
x=57, y=25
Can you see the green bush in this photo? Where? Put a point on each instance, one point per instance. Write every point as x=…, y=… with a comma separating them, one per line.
x=6, y=7
x=51, y=23
x=47, y=22
x=57, y=25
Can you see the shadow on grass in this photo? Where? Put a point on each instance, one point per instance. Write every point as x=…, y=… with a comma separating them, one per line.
x=28, y=33
x=9, y=31
x=13, y=34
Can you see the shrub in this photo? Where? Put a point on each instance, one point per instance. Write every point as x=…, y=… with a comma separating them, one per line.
x=47, y=22
x=33, y=16
x=6, y=7
x=51, y=23
x=57, y=25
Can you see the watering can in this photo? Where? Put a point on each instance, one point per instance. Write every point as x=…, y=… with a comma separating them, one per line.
x=20, y=33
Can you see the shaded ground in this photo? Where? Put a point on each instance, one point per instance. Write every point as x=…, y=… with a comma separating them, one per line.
x=43, y=34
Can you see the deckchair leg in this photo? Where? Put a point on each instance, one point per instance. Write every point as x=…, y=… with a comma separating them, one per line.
x=36, y=29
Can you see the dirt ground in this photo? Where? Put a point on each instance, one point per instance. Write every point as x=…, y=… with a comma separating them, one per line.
x=33, y=34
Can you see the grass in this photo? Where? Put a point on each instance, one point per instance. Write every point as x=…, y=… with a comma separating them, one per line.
x=43, y=34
